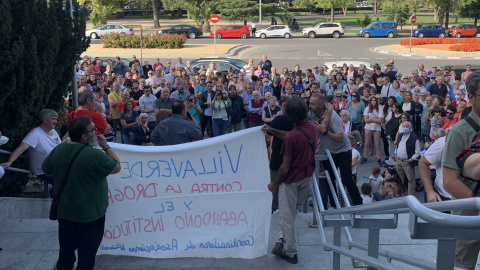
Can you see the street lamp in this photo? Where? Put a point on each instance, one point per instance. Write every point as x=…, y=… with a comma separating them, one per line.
x=260, y=14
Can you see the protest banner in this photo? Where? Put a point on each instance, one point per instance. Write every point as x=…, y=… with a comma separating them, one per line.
x=201, y=199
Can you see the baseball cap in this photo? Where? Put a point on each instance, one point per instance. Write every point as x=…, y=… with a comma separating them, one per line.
x=432, y=75
x=418, y=80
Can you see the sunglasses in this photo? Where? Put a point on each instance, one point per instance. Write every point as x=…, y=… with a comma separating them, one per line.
x=449, y=113
x=354, y=95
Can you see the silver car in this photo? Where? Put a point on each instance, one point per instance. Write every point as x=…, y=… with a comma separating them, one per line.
x=109, y=28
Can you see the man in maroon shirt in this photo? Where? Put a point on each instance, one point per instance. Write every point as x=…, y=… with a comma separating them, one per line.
x=294, y=175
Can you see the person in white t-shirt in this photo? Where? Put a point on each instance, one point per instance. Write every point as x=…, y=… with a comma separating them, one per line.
x=433, y=156
x=355, y=157
x=40, y=141
x=373, y=117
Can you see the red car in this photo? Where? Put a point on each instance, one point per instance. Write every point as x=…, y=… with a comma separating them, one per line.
x=464, y=30
x=232, y=31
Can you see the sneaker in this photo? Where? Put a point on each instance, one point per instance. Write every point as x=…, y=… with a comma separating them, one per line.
x=363, y=161
x=380, y=164
x=292, y=260
x=277, y=250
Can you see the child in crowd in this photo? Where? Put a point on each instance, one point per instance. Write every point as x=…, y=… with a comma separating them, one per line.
x=355, y=158
x=367, y=195
x=376, y=185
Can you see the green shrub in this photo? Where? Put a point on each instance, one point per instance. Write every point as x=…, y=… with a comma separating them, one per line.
x=365, y=21
x=158, y=41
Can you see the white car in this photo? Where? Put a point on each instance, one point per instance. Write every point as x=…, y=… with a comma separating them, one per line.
x=109, y=28
x=274, y=31
x=324, y=29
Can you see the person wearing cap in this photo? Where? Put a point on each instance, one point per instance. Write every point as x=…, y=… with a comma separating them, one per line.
x=432, y=80
x=439, y=88
x=377, y=79
x=419, y=83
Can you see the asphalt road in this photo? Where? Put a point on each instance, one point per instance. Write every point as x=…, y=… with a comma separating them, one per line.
x=308, y=52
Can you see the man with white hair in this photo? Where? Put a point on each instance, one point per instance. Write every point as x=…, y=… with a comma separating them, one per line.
x=246, y=69
x=406, y=155
x=40, y=141
x=255, y=109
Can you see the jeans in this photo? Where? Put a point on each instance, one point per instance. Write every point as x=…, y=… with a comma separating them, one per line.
x=378, y=197
x=372, y=137
x=344, y=161
x=128, y=139
x=84, y=237
x=219, y=127
x=205, y=120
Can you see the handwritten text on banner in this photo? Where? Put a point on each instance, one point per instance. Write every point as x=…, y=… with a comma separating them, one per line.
x=201, y=199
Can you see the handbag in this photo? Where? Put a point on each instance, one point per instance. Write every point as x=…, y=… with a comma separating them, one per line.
x=52, y=215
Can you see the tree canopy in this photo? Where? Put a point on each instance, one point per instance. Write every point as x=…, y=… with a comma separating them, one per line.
x=39, y=45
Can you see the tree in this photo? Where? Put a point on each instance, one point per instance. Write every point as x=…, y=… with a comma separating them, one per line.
x=101, y=9
x=329, y=4
x=470, y=10
x=238, y=10
x=310, y=5
x=40, y=44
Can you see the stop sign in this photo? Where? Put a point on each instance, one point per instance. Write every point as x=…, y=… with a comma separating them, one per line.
x=413, y=19
x=214, y=18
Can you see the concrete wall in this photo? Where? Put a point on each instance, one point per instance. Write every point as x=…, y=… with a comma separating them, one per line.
x=23, y=208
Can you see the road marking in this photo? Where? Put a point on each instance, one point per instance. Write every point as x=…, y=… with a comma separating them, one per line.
x=295, y=58
x=312, y=58
x=380, y=58
x=407, y=55
x=452, y=57
x=384, y=52
x=346, y=58
x=430, y=56
x=328, y=58
x=322, y=53
x=256, y=47
x=364, y=58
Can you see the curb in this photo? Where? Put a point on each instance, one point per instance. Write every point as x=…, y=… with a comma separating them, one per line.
x=235, y=50
x=427, y=55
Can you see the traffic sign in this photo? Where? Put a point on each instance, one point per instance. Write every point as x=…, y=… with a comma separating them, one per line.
x=214, y=18
x=413, y=19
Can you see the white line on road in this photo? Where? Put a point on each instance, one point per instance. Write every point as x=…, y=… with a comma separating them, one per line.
x=295, y=58
x=380, y=58
x=253, y=47
x=346, y=58
x=322, y=53
x=364, y=58
x=452, y=57
x=430, y=56
x=312, y=58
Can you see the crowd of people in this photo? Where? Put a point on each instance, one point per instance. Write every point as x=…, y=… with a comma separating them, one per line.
x=354, y=112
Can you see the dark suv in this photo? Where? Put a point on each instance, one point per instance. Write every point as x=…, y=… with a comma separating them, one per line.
x=187, y=30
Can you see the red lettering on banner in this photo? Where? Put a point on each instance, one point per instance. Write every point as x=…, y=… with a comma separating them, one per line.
x=129, y=193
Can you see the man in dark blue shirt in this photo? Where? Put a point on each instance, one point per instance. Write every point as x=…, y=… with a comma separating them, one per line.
x=266, y=64
x=177, y=129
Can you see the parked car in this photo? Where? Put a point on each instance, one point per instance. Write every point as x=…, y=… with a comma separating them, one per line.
x=109, y=28
x=232, y=31
x=187, y=30
x=464, y=30
x=379, y=29
x=221, y=64
x=324, y=29
x=274, y=31
x=430, y=31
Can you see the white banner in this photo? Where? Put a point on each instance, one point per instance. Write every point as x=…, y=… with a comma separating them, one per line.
x=202, y=199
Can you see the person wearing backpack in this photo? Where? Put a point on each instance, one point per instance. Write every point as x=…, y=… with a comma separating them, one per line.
x=460, y=136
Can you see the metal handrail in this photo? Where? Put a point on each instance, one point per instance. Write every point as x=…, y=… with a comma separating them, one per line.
x=427, y=212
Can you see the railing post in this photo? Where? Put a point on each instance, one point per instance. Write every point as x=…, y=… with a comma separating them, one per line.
x=446, y=253
x=373, y=244
x=337, y=233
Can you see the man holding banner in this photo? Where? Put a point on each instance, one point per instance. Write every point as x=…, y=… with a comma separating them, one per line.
x=294, y=175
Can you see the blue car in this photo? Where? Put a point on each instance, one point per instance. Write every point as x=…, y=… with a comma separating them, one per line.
x=379, y=29
x=430, y=31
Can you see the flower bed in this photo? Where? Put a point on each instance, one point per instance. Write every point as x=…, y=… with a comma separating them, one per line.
x=466, y=44
x=469, y=47
x=164, y=41
x=426, y=41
